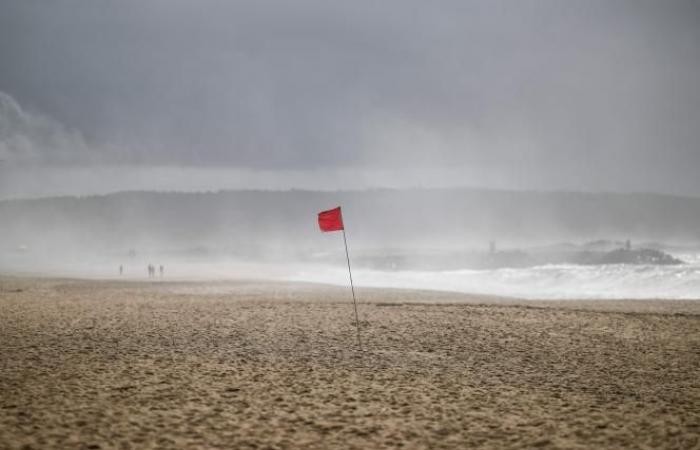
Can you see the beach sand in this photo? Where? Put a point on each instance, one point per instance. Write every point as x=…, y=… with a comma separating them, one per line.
x=269, y=365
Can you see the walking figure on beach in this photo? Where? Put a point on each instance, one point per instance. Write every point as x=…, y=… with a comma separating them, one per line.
x=121, y=270
x=161, y=271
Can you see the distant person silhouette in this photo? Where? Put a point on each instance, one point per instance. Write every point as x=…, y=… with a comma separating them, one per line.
x=121, y=270
x=161, y=271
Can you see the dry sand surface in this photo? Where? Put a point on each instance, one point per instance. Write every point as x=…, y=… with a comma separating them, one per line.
x=104, y=364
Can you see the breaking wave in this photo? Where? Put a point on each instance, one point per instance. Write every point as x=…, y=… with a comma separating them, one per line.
x=620, y=281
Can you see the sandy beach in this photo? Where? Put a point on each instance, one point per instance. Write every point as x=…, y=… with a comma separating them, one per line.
x=267, y=365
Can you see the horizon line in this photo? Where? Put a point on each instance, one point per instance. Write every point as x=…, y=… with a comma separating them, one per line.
x=343, y=191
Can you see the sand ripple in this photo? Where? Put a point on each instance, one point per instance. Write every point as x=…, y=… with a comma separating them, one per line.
x=272, y=366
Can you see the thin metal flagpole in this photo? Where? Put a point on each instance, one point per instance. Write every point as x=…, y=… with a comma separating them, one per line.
x=352, y=288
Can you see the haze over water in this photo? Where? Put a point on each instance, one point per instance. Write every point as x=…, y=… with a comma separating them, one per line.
x=437, y=127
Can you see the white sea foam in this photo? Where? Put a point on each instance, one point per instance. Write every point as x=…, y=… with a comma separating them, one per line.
x=618, y=281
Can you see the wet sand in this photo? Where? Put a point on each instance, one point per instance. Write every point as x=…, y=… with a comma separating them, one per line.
x=107, y=364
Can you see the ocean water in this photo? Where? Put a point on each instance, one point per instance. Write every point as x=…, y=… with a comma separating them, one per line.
x=561, y=281
x=565, y=281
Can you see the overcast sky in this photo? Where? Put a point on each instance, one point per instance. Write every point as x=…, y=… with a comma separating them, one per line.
x=586, y=95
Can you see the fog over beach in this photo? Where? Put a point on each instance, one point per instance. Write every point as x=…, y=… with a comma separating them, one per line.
x=572, y=132
x=309, y=224
x=515, y=243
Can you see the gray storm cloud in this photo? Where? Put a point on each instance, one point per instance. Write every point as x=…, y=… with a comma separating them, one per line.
x=27, y=138
x=535, y=94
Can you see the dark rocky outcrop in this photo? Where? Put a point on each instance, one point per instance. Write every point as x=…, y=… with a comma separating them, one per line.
x=630, y=256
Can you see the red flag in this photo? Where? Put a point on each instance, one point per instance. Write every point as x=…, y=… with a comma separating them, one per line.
x=331, y=220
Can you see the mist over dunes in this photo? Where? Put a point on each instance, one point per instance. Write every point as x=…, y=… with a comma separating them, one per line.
x=253, y=223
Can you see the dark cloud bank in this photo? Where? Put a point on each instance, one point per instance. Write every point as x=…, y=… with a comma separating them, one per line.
x=593, y=95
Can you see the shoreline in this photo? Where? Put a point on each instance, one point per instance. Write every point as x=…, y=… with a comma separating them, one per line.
x=373, y=295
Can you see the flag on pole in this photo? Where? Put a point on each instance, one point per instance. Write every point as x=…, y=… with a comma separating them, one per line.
x=331, y=220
